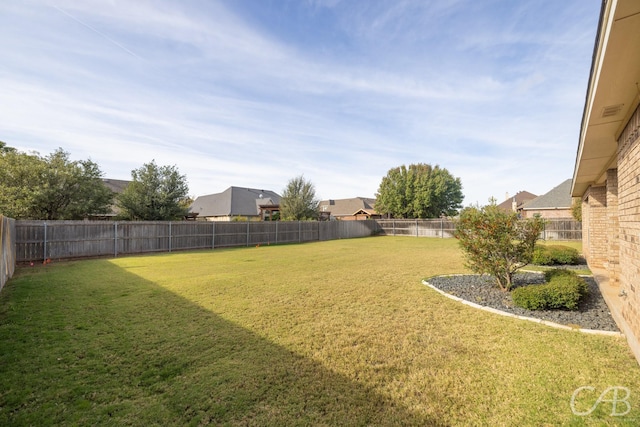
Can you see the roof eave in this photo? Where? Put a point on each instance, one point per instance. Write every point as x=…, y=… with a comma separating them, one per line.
x=614, y=74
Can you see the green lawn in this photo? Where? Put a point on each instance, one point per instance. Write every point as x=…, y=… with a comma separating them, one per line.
x=331, y=333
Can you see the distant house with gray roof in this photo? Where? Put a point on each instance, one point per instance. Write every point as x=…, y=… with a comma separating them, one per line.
x=554, y=204
x=349, y=209
x=515, y=203
x=116, y=186
x=235, y=203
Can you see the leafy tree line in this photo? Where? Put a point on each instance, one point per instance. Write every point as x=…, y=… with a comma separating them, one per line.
x=54, y=187
x=50, y=187
x=416, y=191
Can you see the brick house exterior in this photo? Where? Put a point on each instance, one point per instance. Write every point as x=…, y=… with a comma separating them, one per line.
x=515, y=203
x=356, y=208
x=607, y=170
x=553, y=205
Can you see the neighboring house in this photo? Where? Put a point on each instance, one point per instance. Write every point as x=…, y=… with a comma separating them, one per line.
x=117, y=186
x=515, y=203
x=349, y=209
x=554, y=204
x=235, y=203
x=606, y=175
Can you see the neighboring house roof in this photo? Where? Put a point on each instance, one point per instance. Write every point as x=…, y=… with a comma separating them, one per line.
x=346, y=207
x=520, y=198
x=115, y=185
x=233, y=201
x=558, y=198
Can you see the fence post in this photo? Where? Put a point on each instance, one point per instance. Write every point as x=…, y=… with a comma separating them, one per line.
x=44, y=249
x=115, y=238
x=213, y=234
x=169, y=236
x=299, y=231
x=441, y=228
x=393, y=226
x=247, y=233
x=277, y=232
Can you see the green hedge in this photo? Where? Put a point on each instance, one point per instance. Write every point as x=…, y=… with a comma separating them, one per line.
x=563, y=290
x=555, y=255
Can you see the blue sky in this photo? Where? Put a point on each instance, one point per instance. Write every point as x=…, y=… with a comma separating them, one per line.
x=253, y=93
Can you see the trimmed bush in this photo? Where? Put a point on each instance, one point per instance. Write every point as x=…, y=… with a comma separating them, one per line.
x=541, y=256
x=555, y=255
x=532, y=297
x=563, y=290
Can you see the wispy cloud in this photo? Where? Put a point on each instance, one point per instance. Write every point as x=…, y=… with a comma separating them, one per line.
x=236, y=93
x=96, y=31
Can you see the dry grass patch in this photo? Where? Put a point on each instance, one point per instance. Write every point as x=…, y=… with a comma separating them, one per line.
x=331, y=333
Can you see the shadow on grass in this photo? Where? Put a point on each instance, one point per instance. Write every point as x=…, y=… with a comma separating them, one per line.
x=89, y=343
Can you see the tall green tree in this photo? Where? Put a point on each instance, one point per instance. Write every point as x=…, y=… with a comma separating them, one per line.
x=51, y=187
x=156, y=193
x=298, y=201
x=419, y=191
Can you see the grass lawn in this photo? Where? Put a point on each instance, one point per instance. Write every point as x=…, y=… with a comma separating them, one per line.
x=329, y=333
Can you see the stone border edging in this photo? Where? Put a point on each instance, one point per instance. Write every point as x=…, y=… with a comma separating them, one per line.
x=531, y=319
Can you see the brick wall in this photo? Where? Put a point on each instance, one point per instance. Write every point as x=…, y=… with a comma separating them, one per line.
x=629, y=220
x=585, y=225
x=594, y=226
x=547, y=213
x=613, y=229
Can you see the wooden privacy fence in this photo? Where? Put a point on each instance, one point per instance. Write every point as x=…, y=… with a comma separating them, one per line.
x=555, y=229
x=439, y=227
x=7, y=249
x=42, y=240
x=562, y=229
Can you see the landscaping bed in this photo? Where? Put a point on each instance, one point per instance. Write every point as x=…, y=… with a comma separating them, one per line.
x=592, y=312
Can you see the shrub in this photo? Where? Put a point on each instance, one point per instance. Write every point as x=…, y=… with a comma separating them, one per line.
x=497, y=242
x=555, y=255
x=532, y=297
x=541, y=256
x=563, y=290
x=564, y=255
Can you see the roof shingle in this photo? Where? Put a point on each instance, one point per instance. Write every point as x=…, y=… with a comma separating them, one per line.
x=233, y=201
x=558, y=198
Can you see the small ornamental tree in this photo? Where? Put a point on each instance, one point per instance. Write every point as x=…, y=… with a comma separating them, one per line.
x=497, y=242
